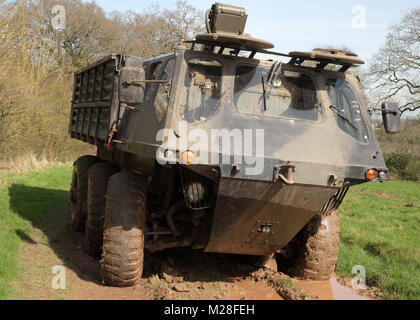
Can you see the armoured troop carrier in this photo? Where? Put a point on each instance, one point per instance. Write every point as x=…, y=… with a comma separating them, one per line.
x=216, y=148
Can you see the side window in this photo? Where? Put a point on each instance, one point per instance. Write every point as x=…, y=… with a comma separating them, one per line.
x=346, y=108
x=152, y=74
x=163, y=92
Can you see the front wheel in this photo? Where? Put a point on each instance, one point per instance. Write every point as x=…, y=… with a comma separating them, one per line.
x=313, y=253
x=124, y=224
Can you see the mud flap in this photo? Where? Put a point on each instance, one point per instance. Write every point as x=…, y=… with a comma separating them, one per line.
x=258, y=218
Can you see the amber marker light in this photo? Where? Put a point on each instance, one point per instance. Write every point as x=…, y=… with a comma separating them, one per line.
x=188, y=157
x=372, y=174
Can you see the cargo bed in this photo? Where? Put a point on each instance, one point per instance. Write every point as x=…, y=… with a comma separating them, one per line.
x=95, y=104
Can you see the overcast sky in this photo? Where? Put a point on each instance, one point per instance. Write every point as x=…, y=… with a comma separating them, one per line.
x=305, y=24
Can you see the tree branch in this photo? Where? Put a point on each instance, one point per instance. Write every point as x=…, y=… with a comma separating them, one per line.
x=409, y=109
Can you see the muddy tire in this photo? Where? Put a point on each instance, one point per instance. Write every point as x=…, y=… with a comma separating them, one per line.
x=123, y=240
x=98, y=178
x=78, y=192
x=318, y=248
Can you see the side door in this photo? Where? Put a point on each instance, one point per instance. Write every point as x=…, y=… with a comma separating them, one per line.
x=141, y=126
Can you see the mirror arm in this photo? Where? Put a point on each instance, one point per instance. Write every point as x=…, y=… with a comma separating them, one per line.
x=146, y=81
x=394, y=112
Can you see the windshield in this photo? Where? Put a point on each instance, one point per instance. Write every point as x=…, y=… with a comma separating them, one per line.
x=263, y=91
x=346, y=108
x=202, y=89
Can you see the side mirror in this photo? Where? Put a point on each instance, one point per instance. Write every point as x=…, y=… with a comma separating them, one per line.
x=131, y=87
x=391, y=117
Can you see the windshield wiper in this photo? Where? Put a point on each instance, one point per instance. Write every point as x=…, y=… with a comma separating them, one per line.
x=338, y=112
x=218, y=103
x=264, y=93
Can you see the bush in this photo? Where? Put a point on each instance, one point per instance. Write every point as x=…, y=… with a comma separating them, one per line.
x=413, y=170
x=37, y=130
x=403, y=166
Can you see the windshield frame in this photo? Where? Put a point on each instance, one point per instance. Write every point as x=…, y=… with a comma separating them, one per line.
x=229, y=66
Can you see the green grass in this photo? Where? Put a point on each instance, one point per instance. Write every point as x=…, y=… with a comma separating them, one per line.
x=24, y=200
x=382, y=233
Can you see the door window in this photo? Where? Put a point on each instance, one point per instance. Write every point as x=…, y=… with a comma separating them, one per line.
x=152, y=74
x=164, y=89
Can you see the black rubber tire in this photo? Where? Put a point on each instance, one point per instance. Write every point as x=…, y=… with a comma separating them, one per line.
x=317, y=252
x=123, y=241
x=98, y=178
x=78, y=192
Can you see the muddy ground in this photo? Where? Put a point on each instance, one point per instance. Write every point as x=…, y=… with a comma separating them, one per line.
x=172, y=274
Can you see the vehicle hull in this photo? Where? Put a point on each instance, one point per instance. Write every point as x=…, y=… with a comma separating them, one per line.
x=259, y=218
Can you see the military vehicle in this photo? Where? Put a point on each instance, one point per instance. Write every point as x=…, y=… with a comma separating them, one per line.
x=280, y=145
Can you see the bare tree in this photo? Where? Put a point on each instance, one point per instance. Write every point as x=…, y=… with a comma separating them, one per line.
x=394, y=72
x=156, y=31
x=36, y=60
x=88, y=34
x=182, y=23
x=13, y=19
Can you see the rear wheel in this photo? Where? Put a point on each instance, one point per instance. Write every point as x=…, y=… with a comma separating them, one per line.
x=78, y=192
x=318, y=246
x=124, y=223
x=99, y=175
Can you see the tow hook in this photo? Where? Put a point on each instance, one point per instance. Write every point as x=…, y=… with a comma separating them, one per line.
x=285, y=173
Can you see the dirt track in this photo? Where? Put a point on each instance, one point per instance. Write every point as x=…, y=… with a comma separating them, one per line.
x=172, y=274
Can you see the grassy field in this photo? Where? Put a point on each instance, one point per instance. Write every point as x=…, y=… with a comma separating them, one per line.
x=25, y=199
x=380, y=228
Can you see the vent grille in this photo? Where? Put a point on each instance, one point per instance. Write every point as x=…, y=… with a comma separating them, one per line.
x=335, y=201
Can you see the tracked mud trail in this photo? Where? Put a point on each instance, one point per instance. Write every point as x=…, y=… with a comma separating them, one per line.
x=172, y=274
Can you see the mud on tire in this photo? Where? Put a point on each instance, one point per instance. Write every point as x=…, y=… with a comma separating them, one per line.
x=78, y=192
x=99, y=175
x=123, y=240
x=317, y=252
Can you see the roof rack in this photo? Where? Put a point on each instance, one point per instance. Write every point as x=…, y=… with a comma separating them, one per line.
x=325, y=57
x=225, y=30
x=297, y=57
